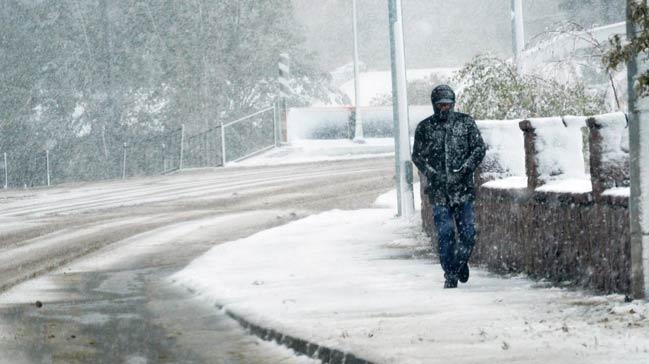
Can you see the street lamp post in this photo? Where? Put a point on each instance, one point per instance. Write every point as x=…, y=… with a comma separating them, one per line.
x=403, y=163
x=358, y=130
x=518, y=33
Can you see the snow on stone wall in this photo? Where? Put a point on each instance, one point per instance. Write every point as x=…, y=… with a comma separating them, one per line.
x=615, y=143
x=560, y=148
x=610, y=155
x=505, y=148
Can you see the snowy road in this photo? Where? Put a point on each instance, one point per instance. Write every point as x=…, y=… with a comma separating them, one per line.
x=43, y=229
x=112, y=306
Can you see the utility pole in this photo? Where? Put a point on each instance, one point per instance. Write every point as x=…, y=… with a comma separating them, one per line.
x=358, y=122
x=403, y=163
x=518, y=33
x=639, y=152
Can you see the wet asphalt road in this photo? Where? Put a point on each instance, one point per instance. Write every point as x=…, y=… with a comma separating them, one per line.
x=124, y=310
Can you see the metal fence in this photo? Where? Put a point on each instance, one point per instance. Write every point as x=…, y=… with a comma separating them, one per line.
x=161, y=153
x=232, y=141
x=203, y=149
x=153, y=155
x=250, y=135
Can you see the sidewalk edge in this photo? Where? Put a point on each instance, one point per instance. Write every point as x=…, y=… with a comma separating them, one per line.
x=301, y=346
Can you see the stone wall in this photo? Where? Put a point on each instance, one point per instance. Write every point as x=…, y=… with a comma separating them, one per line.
x=568, y=238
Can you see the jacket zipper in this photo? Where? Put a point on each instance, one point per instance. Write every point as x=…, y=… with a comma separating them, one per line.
x=446, y=127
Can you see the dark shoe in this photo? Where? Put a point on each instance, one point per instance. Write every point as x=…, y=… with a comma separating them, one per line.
x=463, y=274
x=451, y=282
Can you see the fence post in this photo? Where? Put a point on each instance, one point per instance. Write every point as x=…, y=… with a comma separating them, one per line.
x=351, y=123
x=6, y=174
x=182, y=145
x=124, y=162
x=206, y=149
x=47, y=165
x=276, y=135
x=164, y=160
x=223, y=159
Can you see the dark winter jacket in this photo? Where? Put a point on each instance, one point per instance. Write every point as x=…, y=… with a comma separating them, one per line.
x=448, y=153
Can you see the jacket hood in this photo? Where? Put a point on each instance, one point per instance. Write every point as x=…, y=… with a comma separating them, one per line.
x=442, y=94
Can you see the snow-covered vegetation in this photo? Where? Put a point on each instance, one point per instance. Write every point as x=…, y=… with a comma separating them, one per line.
x=490, y=88
x=81, y=78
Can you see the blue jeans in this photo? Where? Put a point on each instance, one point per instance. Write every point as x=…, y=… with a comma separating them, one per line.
x=453, y=254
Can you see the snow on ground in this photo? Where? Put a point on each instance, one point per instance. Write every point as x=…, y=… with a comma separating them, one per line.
x=311, y=150
x=388, y=199
x=350, y=280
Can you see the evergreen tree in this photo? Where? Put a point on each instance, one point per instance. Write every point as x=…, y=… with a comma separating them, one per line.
x=622, y=51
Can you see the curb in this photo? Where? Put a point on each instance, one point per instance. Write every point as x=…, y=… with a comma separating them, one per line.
x=313, y=350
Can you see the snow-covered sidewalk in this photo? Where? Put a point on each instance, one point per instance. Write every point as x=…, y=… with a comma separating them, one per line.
x=363, y=283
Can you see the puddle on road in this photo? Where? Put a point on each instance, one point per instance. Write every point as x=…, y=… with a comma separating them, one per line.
x=108, y=325
x=130, y=313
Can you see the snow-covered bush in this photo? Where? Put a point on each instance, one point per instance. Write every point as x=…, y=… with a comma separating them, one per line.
x=490, y=88
x=570, y=52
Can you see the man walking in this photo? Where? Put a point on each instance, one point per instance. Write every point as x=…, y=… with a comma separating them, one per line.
x=448, y=148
